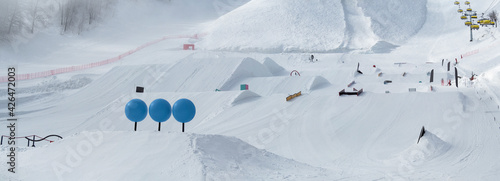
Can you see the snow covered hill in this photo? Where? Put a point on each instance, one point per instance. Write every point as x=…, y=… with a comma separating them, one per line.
x=317, y=26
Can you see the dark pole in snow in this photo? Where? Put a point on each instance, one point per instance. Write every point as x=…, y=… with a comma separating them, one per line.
x=422, y=132
x=33, y=141
x=183, y=127
x=159, y=126
x=432, y=75
x=470, y=31
x=470, y=26
x=135, y=127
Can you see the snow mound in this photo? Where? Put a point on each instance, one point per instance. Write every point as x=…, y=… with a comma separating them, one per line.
x=317, y=83
x=159, y=156
x=244, y=97
x=230, y=158
x=248, y=67
x=283, y=84
x=205, y=74
x=273, y=67
x=429, y=147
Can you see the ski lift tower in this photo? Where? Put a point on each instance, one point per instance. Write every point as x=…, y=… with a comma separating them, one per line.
x=470, y=14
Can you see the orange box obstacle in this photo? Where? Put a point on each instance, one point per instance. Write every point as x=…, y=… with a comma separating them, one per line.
x=290, y=97
x=188, y=46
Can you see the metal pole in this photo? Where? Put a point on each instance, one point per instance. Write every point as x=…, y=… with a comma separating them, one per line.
x=159, y=126
x=1, y=141
x=470, y=26
x=183, y=127
x=470, y=33
x=33, y=141
x=135, y=127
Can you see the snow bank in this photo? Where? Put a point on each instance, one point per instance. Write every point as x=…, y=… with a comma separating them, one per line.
x=237, y=160
x=395, y=21
x=279, y=26
x=97, y=155
x=317, y=26
x=199, y=9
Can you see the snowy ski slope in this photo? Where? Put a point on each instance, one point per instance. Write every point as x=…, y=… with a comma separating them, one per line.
x=256, y=134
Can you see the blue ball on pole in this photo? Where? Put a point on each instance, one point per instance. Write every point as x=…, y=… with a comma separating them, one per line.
x=136, y=110
x=183, y=111
x=160, y=110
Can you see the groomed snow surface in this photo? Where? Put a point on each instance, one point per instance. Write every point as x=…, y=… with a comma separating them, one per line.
x=256, y=134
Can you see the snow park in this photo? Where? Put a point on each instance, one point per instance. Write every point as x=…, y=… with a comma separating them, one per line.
x=228, y=90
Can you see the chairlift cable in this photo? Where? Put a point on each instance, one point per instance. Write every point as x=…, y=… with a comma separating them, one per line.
x=491, y=5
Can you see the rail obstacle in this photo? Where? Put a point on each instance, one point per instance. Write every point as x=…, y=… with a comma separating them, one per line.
x=350, y=84
x=31, y=138
x=354, y=92
x=294, y=72
x=290, y=97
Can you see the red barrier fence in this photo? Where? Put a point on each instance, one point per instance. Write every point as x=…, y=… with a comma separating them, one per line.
x=484, y=49
x=469, y=53
x=94, y=64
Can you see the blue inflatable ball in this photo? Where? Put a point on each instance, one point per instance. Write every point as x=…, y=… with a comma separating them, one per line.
x=160, y=110
x=183, y=110
x=136, y=110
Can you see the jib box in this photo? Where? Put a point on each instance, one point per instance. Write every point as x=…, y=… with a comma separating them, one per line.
x=244, y=87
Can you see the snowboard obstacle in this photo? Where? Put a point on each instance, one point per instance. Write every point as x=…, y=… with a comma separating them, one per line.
x=31, y=138
x=354, y=92
x=290, y=97
x=188, y=47
x=294, y=72
x=160, y=111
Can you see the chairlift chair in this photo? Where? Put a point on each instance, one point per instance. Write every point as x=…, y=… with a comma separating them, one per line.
x=484, y=22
